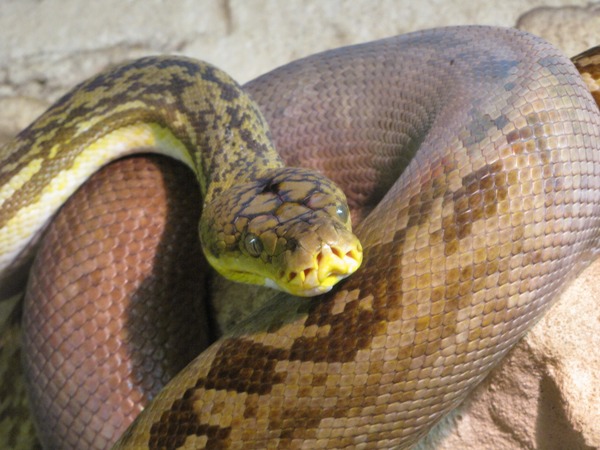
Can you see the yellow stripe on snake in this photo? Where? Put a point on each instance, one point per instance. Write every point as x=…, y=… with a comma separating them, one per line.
x=470, y=159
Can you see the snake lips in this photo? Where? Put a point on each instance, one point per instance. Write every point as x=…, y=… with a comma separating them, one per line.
x=332, y=263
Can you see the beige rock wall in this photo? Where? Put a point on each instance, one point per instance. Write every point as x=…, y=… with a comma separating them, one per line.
x=547, y=394
x=46, y=46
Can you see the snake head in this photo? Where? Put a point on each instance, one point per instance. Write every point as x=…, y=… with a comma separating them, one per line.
x=289, y=229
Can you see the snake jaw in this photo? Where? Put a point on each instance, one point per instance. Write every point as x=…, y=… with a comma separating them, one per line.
x=330, y=265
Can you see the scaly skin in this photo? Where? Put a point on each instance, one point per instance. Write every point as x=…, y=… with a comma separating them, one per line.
x=193, y=112
x=472, y=155
x=486, y=142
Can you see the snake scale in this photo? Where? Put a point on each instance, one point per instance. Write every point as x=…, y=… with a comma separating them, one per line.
x=469, y=157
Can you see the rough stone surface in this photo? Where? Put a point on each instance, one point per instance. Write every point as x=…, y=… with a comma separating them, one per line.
x=546, y=394
x=571, y=28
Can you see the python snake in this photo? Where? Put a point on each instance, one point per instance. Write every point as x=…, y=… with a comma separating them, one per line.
x=469, y=157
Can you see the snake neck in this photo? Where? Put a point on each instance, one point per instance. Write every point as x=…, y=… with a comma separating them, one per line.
x=176, y=106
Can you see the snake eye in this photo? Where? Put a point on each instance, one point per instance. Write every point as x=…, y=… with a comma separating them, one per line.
x=253, y=244
x=342, y=212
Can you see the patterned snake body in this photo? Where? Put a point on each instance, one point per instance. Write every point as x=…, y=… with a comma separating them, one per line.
x=196, y=113
x=471, y=157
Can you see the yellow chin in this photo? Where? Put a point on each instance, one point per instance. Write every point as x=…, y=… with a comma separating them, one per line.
x=260, y=280
x=302, y=291
x=328, y=267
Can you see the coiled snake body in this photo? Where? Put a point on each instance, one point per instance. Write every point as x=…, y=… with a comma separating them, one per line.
x=471, y=157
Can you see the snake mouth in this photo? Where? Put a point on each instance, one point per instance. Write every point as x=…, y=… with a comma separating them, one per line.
x=330, y=265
